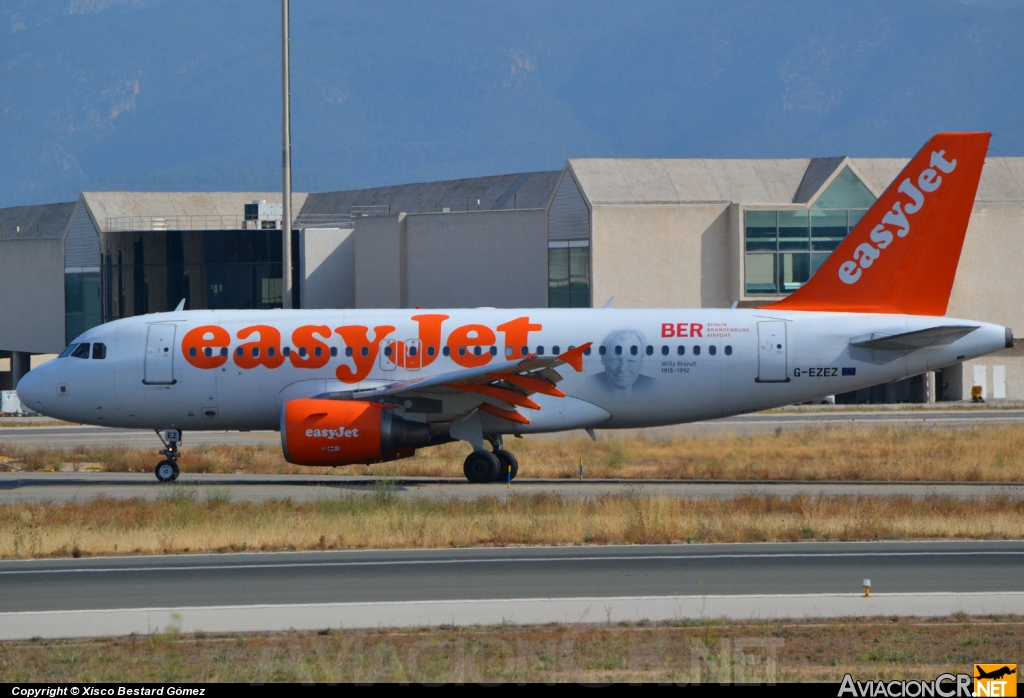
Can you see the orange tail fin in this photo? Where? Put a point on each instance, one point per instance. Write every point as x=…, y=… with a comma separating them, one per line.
x=902, y=255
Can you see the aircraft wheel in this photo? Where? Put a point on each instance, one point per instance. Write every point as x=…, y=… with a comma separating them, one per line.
x=481, y=466
x=166, y=471
x=505, y=459
x=176, y=471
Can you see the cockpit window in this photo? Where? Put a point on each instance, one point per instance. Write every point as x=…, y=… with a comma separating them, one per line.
x=99, y=351
x=82, y=352
x=67, y=352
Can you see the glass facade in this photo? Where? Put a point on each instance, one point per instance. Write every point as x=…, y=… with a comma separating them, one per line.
x=83, y=308
x=569, y=274
x=785, y=247
x=152, y=272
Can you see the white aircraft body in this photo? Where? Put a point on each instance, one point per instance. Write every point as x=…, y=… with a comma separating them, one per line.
x=363, y=386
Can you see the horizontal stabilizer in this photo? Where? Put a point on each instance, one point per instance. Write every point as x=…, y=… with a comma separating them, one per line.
x=909, y=341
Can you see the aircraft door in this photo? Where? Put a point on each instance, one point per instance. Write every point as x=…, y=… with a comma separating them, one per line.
x=412, y=354
x=389, y=349
x=160, y=355
x=772, y=365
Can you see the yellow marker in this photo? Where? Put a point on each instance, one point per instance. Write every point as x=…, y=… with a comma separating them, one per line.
x=867, y=588
x=581, y=470
x=510, y=477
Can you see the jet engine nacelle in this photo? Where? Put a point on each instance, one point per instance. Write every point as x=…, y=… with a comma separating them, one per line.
x=343, y=432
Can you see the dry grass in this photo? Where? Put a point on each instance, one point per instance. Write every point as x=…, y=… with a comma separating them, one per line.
x=984, y=453
x=181, y=522
x=706, y=652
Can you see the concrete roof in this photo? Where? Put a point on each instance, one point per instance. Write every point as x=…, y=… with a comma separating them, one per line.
x=628, y=181
x=633, y=181
x=48, y=221
x=135, y=204
x=524, y=190
x=1002, y=179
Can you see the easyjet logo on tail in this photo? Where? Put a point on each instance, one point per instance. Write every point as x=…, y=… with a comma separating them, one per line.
x=903, y=254
x=896, y=220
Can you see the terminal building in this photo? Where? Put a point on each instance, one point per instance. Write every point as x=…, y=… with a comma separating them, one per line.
x=636, y=233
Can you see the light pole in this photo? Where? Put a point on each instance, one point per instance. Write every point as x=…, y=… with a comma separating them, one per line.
x=286, y=168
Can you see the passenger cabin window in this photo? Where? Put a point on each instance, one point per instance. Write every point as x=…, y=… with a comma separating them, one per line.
x=302, y=352
x=555, y=351
x=334, y=351
x=664, y=350
x=681, y=350
x=492, y=350
x=318, y=351
x=586, y=352
x=99, y=351
x=82, y=352
x=696, y=350
x=412, y=350
x=650, y=350
x=602, y=350
x=446, y=351
x=712, y=350
x=348, y=351
x=540, y=351
x=430, y=351
x=287, y=351
x=364, y=351
x=634, y=350
x=728, y=350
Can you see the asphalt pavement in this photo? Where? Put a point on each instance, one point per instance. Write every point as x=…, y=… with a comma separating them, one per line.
x=279, y=590
x=104, y=437
x=35, y=487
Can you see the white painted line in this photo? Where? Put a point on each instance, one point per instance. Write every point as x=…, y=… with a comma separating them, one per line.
x=267, y=618
x=517, y=560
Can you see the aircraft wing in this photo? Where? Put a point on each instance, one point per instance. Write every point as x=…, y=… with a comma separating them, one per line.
x=911, y=341
x=509, y=384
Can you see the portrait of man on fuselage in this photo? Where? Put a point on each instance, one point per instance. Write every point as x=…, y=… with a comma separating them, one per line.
x=622, y=354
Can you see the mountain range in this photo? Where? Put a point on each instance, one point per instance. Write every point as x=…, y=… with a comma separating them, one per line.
x=186, y=95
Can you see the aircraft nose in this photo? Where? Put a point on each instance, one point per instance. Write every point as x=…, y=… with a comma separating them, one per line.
x=30, y=390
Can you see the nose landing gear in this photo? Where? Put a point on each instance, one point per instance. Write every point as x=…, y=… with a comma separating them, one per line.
x=167, y=470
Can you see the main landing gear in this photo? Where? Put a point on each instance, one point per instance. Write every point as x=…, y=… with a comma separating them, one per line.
x=167, y=470
x=487, y=466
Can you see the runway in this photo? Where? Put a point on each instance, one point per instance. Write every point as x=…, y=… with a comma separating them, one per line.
x=104, y=437
x=33, y=487
x=273, y=591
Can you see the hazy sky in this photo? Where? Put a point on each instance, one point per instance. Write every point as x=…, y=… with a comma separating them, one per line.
x=185, y=95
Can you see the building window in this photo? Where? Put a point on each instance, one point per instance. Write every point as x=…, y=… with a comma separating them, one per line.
x=785, y=247
x=209, y=269
x=569, y=274
x=83, y=303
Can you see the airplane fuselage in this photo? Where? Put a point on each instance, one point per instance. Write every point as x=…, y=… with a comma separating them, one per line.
x=646, y=367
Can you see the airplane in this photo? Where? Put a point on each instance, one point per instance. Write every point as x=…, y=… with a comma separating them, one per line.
x=348, y=387
x=994, y=674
